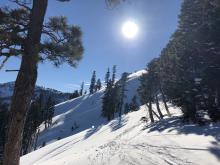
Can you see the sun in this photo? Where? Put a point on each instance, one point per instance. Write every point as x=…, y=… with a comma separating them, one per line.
x=129, y=29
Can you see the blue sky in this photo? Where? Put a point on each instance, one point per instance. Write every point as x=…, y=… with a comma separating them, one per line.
x=102, y=39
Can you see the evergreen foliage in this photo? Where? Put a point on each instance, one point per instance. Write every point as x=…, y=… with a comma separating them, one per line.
x=81, y=89
x=187, y=71
x=126, y=108
x=76, y=94
x=113, y=75
x=107, y=77
x=108, y=105
x=24, y=32
x=120, y=93
x=133, y=106
x=98, y=85
x=41, y=111
x=92, y=83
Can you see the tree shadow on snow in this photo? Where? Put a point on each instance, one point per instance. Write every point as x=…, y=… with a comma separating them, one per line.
x=91, y=131
x=119, y=123
x=176, y=124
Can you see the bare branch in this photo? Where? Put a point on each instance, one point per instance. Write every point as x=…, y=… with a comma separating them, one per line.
x=12, y=70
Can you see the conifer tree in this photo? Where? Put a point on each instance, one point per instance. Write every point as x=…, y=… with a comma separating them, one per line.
x=98, y=85
x=21, y=34
x=49, y=111
x=108, y=106
x=109, y=101
x=92, y=83
x=119, y=99
x=189, y=63
x=133, y=106
x=34, y=119
x=126, y=108
x=75, y=94
x=113, y=75
x=81, y=89
x=107, y=77
x=146, y=93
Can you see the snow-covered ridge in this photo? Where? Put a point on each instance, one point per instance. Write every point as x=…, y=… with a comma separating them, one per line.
x=6, y=91
x=137, y=74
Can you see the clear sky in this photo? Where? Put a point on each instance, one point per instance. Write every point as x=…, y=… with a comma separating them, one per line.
x=103, y=41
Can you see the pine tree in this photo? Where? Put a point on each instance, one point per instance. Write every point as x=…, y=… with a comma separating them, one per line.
x=92, y=84
x=49, y=111
x=126, y=108
x=62, y=44
x=121, y=93
x=146, y=93
x=133, y=106
x=98, y=85
x=113, y=75
x=189, y=64
x=40, y=101
x=107, y=77
x=81, y=89
x=109, y=104
x=75, y=94
x=108, y=107
x=31, y=125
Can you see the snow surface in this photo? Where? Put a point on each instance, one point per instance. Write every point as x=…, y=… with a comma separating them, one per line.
x=129, y=141
x=123, y=141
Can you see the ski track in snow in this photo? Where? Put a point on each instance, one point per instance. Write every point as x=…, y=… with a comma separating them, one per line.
x=130, y=154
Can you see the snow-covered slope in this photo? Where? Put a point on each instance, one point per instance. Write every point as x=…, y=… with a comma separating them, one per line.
x=79, y=135
x=131, y=142
x=82, y=113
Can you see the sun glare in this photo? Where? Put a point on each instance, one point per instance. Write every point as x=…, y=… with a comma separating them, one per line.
x=130, y=29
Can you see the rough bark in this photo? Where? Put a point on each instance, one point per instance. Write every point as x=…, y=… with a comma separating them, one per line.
x=24, y=85
x=158, y=107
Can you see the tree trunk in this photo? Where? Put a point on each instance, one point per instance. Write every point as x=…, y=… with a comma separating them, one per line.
x=165, y=103
x=24, y=85
x=155, y=114
x=158, y=107
x=218, y=97
x=150, y=112
x=36, y=139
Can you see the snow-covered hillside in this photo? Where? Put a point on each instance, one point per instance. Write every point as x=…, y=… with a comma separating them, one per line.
x=80, y=135
x=131, y=142
x=82, y=113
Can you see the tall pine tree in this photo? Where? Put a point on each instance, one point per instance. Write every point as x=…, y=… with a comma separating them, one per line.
x=92, y=83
